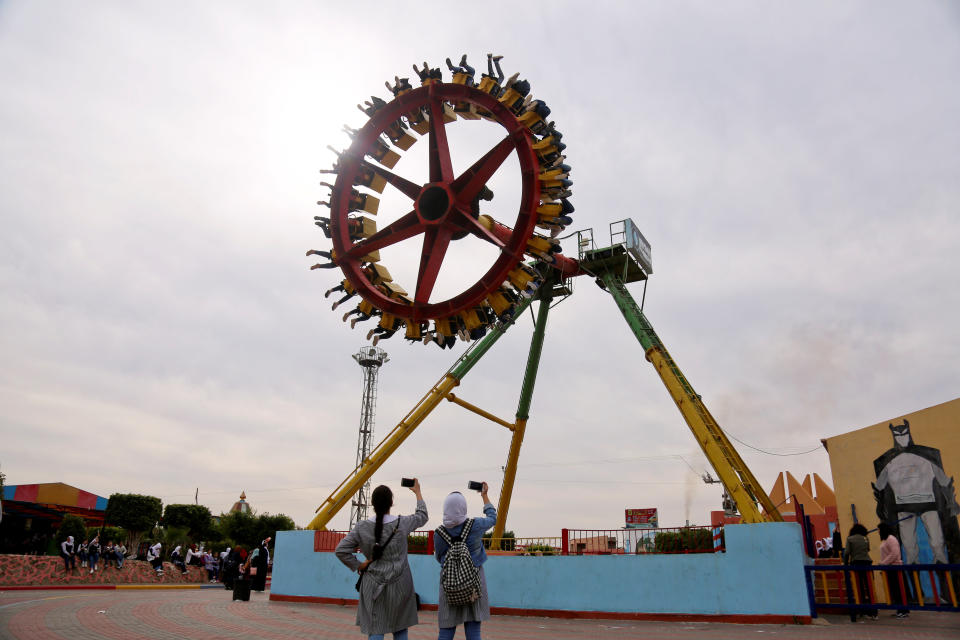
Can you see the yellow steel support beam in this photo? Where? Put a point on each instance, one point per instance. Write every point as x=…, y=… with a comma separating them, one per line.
x=351, y=485
x=509, y=475
x=480, y=412
x=736, y=477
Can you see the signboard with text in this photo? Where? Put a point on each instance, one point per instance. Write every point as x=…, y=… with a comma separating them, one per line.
x=641, y=518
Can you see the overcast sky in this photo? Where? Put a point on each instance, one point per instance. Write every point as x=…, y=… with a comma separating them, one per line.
x=795, y=169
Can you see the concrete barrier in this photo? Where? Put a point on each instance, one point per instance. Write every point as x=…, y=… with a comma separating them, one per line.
x=760, y=578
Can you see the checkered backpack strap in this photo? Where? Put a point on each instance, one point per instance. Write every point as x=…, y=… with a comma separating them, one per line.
x=459, y=578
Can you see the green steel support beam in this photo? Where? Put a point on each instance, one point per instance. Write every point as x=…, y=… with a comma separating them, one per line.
x=523, y=412
x=733, y=472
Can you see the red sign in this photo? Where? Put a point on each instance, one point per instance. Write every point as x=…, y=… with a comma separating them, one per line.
x=641, y=518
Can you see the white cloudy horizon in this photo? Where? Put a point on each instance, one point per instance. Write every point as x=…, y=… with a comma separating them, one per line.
x=794, y=168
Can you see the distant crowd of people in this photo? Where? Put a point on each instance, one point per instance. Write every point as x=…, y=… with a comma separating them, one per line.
x=226, y=566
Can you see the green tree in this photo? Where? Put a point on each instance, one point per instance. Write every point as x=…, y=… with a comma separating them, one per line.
x=71, y=526
x=507, y=540
x=196, y=519
x=240, y=528
x=268, y=525
x=134, y=512
x=249, y=530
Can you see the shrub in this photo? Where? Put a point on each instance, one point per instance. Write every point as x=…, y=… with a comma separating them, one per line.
x=686, y=539
x=507, y=541
x=71, y=526
x=540, y=550
x=417, y=543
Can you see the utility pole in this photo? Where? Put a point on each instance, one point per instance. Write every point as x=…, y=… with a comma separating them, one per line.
x=370, y=359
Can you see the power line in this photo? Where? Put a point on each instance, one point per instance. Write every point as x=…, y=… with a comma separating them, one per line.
x=771, y=453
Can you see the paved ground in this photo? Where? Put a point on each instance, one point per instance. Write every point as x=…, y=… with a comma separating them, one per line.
x=210, y=614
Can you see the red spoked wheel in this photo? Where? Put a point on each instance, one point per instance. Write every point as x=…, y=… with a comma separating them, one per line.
x=440, y=210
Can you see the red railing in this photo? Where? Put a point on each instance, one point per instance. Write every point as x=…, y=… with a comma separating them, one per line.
x=634, y=541
x=417, y=541
x=575, y=542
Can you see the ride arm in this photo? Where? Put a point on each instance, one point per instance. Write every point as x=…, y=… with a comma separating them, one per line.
x=723, y=457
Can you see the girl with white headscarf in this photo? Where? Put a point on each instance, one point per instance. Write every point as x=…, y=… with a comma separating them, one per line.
x=155, y=558
x=454, y=519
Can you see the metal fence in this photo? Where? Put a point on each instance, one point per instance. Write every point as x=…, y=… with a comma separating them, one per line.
x=636, y=541
x=572, y=542
x=418, y=542
x=537, y=546
x=864, y=590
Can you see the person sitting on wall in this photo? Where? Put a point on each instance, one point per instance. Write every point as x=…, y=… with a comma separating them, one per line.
x=194, y=556
x=67, y=553
x=120, y=551
x=155, y=559
x=176, y=558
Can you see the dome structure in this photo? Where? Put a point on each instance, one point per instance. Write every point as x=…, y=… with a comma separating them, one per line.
x=241, y=505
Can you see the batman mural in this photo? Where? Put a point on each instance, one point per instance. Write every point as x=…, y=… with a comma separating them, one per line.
x=911, y=485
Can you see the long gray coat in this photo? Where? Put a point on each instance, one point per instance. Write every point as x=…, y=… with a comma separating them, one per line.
x=387, y=601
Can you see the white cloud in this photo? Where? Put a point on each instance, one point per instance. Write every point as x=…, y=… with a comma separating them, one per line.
x=794, y=171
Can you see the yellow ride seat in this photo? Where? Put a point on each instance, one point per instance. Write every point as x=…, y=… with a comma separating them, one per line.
x=382, y=154
x=365, y=307
x=556, y=173
x=511, y=99
x=551, y=209
x=378, y=274
x=529, y=119
x=363, y=202
x=498, y=302
x=445, y=327
x=471, y=319
x=520, y=278
x=414, y=331
x=361, y=227
x=489, y=85
x=539, y=244
x=390, y=322
x=371, y=180
x=399, y=137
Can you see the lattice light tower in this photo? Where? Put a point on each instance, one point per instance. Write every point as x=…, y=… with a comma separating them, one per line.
x=370, y=359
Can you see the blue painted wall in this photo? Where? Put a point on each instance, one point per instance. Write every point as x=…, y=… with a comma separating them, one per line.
x=760, y=574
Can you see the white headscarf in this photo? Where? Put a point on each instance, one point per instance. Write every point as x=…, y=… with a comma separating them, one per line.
x=177, y=550
x=454, y=509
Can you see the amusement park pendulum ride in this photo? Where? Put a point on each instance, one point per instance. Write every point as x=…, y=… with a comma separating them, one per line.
x=528, y=265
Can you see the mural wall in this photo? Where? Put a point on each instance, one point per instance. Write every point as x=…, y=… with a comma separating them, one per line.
x=902, y=471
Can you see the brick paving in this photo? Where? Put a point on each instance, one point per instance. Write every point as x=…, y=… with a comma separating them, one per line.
x=210, y=614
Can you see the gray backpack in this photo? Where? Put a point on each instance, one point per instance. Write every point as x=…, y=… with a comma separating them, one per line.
x=459, y=578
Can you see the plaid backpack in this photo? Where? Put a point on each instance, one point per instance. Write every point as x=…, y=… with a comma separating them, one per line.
x=459, y=578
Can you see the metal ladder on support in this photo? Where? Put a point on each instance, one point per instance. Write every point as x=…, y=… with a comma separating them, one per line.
x=733, y=472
